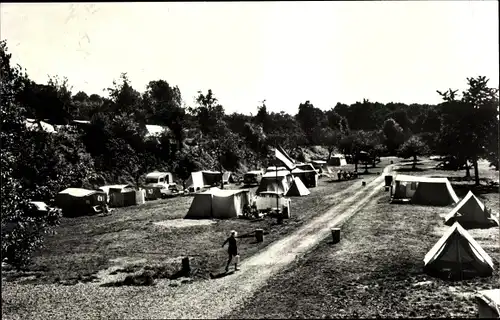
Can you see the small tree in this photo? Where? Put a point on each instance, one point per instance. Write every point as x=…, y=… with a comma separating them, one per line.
x=414, y=147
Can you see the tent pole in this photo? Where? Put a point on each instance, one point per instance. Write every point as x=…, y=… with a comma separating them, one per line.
x=277, y=198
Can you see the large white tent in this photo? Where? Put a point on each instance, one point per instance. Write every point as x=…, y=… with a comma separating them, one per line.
x=471, y=213
x=457, y=255
x=278, y=182
x=424, y=190
x=217, y=203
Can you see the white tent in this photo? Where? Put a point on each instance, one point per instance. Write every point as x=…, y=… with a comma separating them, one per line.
x=471, y=213
x=297, y=189
x=278, y=182
x=337, y=160
x=423, y=190
x=458, y=256
x=202, y=179
x=489, y=303
x=217, y=203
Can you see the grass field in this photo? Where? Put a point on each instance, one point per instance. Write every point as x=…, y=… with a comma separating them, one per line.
x=376, y=269
x=130, y=239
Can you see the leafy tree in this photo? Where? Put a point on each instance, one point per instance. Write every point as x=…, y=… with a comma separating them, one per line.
x=472, y=122
x=125, y=99
x=394, y=135
x=22, y=232
x=164, y=104
x=262, y=117
x=208, y=112
x=311, y=120
x=331, y=139
x=413, y=148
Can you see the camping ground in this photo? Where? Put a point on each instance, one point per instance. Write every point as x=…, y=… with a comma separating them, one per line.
x=150, y=236
x=376, y=269
x=375, y=220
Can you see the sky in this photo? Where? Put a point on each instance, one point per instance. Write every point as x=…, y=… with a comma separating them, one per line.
x=283, y=52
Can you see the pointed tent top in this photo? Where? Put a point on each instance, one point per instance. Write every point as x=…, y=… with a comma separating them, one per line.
x=457, y=229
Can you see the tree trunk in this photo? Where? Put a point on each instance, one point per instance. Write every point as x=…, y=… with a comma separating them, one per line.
x=414, y=162
x=221, y=175
x=366, y=166
x=467, y=169
x=356, y=164
x=329, y=155
x=374, y=162
x=476, y=171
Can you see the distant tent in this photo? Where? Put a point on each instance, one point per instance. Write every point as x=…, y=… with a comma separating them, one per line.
x=457, y=256
x=471, y=213
x=425, y=191
x=308, y=177
x=320, y=165
x=297, y=189
x=120, y=195
x=75, y=201
x=337, y=160
x=278, y=182
x=217, y=203
x=227, y=177
x=202, y=179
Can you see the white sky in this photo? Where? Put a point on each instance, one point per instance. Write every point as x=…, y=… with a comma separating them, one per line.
x=284, y=52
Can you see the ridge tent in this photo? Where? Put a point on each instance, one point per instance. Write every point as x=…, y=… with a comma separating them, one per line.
x=201, y=179
x=80, y=201
x=308, y=177
x=275, y=181
x=320, y=165
x=217, y=203
x=457, y=256
x=424, y=191
x=120, y=195
x=297, y=189
x=337, y=160
x=471, y=213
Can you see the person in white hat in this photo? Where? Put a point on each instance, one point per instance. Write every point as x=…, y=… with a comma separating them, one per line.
x=232, y=250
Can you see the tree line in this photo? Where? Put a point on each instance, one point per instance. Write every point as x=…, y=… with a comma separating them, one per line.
x=115, y=148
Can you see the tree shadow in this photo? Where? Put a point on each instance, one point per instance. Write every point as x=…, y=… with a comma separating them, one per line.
x=462, y=189
x=409, y=170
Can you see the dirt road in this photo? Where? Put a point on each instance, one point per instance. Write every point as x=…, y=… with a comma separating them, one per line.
x=213, y=299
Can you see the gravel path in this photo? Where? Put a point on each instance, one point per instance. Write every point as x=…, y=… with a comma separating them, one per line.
x=205, y=299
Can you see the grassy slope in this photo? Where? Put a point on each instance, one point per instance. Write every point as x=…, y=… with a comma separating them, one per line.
x=84, y=245
x=373, y=270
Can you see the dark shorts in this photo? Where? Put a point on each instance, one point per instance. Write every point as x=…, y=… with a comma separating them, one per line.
x=233, y=253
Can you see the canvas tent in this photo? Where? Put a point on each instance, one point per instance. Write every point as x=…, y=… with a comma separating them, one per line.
x=202, y=179
x=320, y=165
x=337, y=160
x=457, y=256
x=74, y=201
x=217, y=203
x=298, y=189
x=121, y=195
x=489, y=303
x=471, y=213
x=275, y=181
x=423, y=190
x=308, y=177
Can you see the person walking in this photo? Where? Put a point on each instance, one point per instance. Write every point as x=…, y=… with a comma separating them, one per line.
x=232, y=250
